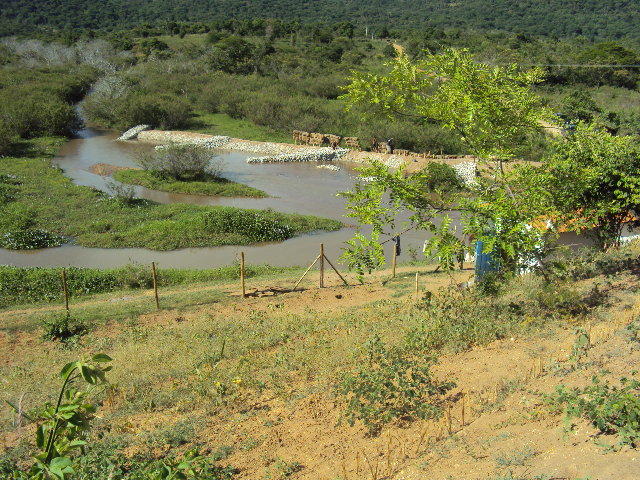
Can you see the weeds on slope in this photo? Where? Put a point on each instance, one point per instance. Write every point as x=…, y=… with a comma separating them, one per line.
x=219, y=361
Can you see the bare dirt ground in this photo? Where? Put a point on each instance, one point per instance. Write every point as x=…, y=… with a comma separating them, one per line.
x=106, y=169
x=505, y=431
x=505, y=428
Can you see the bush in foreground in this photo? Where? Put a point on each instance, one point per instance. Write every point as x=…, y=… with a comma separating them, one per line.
x=180, y=162
x=391, y=383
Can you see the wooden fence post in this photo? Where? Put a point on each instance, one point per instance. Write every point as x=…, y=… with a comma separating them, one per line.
x=393, y=262
x=155, y=284
x=244, y=295
x=336, y=270
x=305, y=272
x=65, y=289
x=462, y=410
x=321, y=265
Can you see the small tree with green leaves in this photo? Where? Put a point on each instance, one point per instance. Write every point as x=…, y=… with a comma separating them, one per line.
x=592, y=181
x=63, y=427
x=493, y=110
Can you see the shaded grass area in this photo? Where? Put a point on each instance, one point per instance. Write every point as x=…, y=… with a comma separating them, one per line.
x=20, y=285
x=223, y=124
x=47, y=200
x=212, y=185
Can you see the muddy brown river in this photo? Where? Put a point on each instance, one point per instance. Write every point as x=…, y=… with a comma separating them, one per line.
x=293, y=188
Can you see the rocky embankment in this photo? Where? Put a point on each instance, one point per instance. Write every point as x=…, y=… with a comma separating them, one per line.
x=467, y=172
x=272, y=152
x=134, y=132
x=310, y=154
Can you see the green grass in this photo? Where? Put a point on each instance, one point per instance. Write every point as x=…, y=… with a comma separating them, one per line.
x=47, y=200
x=21, y=285
x=215, y=186
x=223, y=124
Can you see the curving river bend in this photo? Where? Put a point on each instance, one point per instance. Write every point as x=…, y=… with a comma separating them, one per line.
x=293, y=187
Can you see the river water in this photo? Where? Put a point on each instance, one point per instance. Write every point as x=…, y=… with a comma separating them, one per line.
x=293, y=188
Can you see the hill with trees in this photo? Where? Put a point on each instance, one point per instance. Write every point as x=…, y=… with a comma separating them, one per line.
x=594, y=19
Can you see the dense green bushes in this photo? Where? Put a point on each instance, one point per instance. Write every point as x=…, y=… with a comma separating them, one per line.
x=391, y=383
x=256, y=226
x=441, y=177
x=38, y=102
x=128, y=108
x=593, y=18
x=180, y=162
x=611, y=409
x=30, y=240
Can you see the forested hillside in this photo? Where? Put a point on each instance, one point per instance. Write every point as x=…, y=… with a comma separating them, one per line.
x=595, y=19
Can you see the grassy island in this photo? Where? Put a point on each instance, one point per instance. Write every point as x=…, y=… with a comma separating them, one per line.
x=210, y=185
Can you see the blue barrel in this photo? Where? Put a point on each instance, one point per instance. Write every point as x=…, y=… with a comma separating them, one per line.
x=485, y=261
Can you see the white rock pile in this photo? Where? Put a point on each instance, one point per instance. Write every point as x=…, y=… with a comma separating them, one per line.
x=393, y=161
x=323, y=154
x=260, y=147
x=209, y=143
x=133, y=132
x=365, y=179
x=467, y=172
x=334, y=168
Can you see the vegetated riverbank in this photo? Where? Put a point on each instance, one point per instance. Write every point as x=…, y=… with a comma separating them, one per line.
x=260, y=384
x=43, y=199
x=212, y=185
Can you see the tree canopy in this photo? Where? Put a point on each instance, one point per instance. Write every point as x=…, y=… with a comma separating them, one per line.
x=589, y=182
x=602, y=19
x=592, y=181
x=490, y=108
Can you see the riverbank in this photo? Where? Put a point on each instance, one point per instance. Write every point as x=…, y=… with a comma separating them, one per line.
x=292, y=152
x=29, y=285
x=45, y=200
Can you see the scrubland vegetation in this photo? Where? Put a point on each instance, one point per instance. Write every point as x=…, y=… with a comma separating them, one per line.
x=279, y=81
x=209, y=363
x=593, y=19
